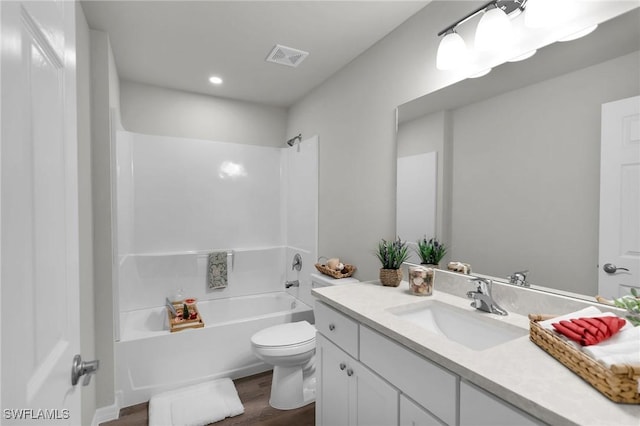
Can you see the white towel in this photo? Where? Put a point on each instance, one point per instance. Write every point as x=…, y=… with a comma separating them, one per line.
x=623, y=348
x=195, y=405
x=590, y=311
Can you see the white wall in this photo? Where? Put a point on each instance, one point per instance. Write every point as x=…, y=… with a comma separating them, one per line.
x=542, y=163
x=159, y=111
x=354, y=112
x=104, y=98
x=87, y=305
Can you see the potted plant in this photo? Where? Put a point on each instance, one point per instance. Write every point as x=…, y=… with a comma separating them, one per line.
x=431, y=251
x=391, y=254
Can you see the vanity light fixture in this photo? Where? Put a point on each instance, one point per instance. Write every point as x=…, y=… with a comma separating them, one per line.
x=452, y=51
x=493, y=32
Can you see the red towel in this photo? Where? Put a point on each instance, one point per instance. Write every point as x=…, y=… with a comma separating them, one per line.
x=589, y=331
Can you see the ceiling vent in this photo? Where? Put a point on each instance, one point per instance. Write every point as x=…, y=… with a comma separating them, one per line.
x=288, y=56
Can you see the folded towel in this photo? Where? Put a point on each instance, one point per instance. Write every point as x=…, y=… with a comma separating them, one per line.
x=589, y=331
x=590, y=311
x=623, y=348
x=217, y=270
x=200, y=404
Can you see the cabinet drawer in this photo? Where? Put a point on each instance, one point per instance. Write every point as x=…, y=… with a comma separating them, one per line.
x=428, y=384
x=337, y=327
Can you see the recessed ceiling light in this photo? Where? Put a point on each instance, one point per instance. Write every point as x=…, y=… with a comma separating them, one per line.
x=215, y=80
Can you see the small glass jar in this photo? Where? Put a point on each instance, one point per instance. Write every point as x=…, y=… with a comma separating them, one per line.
x=421, y=280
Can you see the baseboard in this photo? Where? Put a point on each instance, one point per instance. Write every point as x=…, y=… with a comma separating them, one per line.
x=111, y=412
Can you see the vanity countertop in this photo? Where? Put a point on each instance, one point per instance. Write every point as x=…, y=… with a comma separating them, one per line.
x=518, y=371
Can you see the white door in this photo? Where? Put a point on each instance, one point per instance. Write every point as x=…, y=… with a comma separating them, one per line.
x=619, y=257
x=39, y=213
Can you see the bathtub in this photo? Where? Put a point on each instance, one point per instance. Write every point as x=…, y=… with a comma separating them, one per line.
x=149, y=359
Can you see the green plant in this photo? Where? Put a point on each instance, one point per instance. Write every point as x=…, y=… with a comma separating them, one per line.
x=630, y=302
x=431, y=251
x=392, y=253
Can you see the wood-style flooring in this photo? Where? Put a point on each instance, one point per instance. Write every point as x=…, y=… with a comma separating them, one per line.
x=254, y=394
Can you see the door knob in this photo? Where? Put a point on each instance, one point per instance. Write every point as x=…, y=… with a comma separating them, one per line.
x=83, y=368
x=610, y=268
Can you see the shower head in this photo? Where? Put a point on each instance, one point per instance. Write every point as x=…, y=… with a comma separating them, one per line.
x=292, y=141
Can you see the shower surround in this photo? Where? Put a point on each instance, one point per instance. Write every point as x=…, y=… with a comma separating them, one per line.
x=179, y=199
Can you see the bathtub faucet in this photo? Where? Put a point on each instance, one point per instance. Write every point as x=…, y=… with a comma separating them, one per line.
x=294, y=283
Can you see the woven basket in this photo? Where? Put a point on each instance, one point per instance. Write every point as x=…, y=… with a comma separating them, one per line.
x=391, y=277
x=618, y=383
x=346, y=272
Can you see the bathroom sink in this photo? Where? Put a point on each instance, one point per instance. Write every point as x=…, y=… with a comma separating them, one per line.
x=473, y=329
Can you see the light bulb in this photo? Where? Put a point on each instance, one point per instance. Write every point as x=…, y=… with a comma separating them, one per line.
x=494, y=30
x=215, y=80
x=452, y=52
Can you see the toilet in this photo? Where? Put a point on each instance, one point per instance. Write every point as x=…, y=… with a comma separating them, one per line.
x=291, y=349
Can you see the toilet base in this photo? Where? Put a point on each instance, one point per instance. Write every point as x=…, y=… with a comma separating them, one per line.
x=292, y=387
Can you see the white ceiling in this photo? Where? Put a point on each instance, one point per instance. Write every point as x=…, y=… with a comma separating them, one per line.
x=180, y=44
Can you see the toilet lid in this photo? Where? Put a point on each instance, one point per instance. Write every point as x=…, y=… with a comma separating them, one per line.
x=289, y=334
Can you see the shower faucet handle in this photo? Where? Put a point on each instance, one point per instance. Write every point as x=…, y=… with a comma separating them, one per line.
x=297, y=262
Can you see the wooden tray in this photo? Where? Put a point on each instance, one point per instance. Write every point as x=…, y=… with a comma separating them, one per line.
x=177, y=323
x=618, y=383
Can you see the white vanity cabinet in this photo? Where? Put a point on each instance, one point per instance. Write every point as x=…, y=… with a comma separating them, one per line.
x=368, y=379
x=430, y=385
x=479, y=408
x=348, y=393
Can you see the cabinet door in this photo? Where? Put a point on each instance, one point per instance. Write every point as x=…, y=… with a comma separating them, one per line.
x=411, y=414
x=332, y=393
x=376, y=401
x=479, y=408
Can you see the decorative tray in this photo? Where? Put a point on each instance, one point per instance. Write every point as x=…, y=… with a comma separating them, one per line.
x=619, y=383
x=177, y=323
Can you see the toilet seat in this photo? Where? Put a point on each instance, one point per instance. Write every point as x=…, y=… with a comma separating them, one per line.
x=285, y=340
x=285, y=335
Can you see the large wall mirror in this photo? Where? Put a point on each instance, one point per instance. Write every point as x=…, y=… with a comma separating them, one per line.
x=518, y=157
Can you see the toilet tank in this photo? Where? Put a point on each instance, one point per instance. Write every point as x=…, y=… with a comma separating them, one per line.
x=321, y=280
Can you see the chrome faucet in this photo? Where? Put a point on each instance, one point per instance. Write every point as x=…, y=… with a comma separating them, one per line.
x=519, y=278
x=482, y=298
x=294, y=283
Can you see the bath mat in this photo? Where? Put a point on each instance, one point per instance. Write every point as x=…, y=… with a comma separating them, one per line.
x=217, y=270
x=196, y=405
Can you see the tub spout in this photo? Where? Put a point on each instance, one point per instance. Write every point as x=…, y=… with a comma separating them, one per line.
x=294, y=283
